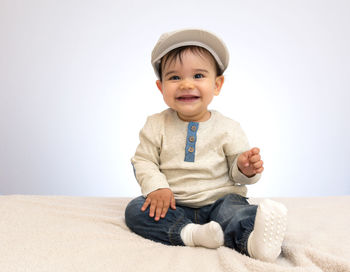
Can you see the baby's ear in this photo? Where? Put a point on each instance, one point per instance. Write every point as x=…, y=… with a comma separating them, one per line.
x=219, y=81
x=159, y=85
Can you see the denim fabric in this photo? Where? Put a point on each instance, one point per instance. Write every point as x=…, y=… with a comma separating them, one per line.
x=233, y=212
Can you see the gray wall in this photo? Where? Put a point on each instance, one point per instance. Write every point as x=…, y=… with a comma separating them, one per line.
x=76, y=86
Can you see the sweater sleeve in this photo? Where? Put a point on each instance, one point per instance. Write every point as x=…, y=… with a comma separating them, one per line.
x=237, y=144
x=146, y=159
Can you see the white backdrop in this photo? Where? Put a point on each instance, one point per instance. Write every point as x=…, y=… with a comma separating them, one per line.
x=76, y=86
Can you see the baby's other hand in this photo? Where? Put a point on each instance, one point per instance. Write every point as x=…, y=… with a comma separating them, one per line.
x=159, y=201
x=250, y=163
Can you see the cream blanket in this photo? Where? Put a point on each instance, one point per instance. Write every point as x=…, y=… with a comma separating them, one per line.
x=56, y=233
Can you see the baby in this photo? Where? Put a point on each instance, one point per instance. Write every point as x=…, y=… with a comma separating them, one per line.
x=193, y=164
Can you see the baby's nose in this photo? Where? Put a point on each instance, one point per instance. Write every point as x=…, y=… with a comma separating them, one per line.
x=186, y=85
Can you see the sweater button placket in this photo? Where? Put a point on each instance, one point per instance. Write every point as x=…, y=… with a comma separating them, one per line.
x=191, y=141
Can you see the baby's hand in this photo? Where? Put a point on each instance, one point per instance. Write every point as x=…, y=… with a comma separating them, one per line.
x=250, y=163
x=159, y=202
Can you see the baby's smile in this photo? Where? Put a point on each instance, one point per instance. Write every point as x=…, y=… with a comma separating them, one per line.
x=187, y=98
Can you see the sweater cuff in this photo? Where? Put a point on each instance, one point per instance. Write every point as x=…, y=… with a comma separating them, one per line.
x=239, y=177
x=152, y=185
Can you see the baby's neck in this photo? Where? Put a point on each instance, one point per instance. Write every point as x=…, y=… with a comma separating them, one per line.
x=198, y=118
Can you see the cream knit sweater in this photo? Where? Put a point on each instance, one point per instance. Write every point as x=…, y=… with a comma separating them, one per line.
x=159, y=161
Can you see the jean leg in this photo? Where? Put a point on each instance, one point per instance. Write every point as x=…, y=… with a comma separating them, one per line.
x=167, y=230
x=236, y=217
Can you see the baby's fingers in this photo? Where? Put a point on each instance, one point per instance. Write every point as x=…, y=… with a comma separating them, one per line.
x=167, y=205
x=255, y=150
x=255, y=158
x=146, y=204
x=152, y=207
x=159, y=210
x=260, y=170
x=165, y=209
x=173, y=203
x=258, y=164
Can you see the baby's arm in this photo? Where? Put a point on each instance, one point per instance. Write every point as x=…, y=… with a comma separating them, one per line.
x=159, y=202
x=250, y=163
x=241, y=158
x=153, y=182
x=146, y=161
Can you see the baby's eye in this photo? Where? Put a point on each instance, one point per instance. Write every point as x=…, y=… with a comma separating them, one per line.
x=174, y=78
x=198, y=76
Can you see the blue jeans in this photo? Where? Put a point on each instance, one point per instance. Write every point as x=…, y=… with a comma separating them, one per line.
x=233, y=212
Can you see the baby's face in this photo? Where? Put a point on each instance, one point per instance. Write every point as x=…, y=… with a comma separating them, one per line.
x=189, y=86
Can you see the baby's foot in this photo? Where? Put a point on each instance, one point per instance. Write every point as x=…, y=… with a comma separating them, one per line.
x=266, y=239
x=209, y=235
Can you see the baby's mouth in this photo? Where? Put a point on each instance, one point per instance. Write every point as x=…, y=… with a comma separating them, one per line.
x=187, y=98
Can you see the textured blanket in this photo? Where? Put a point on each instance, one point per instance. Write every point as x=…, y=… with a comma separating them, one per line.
x=49, y=233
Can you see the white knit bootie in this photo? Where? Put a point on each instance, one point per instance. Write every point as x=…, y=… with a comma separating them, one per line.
x=209, y=235
x=270, y=225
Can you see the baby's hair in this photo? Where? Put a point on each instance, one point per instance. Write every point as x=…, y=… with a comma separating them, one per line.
x=177, y=53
